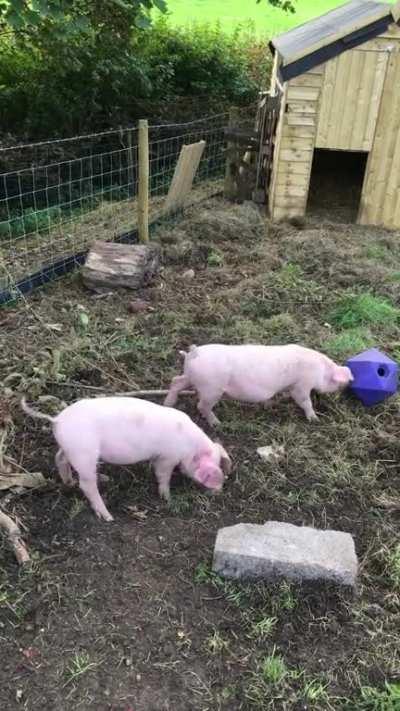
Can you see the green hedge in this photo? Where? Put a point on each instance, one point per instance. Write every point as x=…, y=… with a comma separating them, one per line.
x=165, y=72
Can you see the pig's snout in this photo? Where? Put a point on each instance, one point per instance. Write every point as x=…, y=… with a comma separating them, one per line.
x=339, y=379
x=210, y=476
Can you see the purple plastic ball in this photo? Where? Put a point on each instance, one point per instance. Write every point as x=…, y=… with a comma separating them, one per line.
x=375, y=376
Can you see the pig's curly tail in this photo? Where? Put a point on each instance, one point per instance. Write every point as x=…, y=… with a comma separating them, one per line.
x=35, y=413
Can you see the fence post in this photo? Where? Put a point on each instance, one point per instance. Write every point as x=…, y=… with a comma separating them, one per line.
x=230, y=182
x=143, y=191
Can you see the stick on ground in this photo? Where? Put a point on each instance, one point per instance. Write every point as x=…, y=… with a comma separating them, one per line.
x=14, y=538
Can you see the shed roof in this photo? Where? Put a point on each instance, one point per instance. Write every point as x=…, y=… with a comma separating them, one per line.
x=332, y=33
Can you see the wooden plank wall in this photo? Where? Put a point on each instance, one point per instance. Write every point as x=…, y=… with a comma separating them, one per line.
x=294, y=146
x=350, y=100
x=380, y=200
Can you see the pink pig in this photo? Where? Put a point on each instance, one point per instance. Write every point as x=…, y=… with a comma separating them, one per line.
x=252, y=373
x=124, y=430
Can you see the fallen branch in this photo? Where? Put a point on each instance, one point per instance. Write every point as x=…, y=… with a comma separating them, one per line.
x=129, y=393
x=14, y=538
x=151, y=393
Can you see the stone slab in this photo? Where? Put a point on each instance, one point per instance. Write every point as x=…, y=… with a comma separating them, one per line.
x=281, y=550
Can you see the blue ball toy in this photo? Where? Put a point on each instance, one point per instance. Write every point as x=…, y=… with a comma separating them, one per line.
x=375, y=376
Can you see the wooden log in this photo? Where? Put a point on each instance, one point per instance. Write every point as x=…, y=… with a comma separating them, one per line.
x=111, y=265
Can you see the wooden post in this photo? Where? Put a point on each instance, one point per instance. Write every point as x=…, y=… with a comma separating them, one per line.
x=143, y=192
x=230, y=187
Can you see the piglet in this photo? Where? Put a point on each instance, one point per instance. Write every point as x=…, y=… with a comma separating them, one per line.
x=124, y=430
x=253, y=373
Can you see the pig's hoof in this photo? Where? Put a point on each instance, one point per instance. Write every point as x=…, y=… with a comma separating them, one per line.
x=70, y=484
x=104, y=516
x=214, y=422
x=312, y=418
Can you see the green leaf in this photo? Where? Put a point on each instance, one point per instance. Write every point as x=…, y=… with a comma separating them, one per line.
x=15, y=19
x=161, y=5
x=142, y=22
x=123, y=5
x=84, y=319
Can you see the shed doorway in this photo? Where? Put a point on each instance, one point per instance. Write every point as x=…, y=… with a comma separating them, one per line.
x=336, y=184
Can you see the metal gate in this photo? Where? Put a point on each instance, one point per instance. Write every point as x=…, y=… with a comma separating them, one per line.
x=250, y=151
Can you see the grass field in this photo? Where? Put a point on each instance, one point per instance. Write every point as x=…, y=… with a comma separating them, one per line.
x=231, y=13
x=128, y=616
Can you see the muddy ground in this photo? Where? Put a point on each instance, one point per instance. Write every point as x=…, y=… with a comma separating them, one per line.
x=128, y=616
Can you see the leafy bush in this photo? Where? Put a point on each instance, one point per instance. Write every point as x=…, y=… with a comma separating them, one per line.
x=199, y=61
x=62, y=88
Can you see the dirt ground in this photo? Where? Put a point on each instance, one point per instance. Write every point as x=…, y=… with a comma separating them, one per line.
x=128, y=616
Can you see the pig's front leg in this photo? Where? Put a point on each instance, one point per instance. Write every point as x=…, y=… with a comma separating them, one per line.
x=303, y=399
x=180, y=382
x=163, y=470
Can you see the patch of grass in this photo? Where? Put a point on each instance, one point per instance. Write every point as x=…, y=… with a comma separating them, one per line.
x=290, y=276
x=204, y=574
x=181, y=503
x=30, y=221
x=273, y=669
x=80, y=664
x=235, y=593
x=263, y=628
x=268, y=682
x=354, y=310
x=265, y=19
x=216, y=644
x=378, y=252
x=139, y=347
x=78, y=505
x=393, y=566
x=374, y=699
x=286, y=599
x=314, y=691
x=13, y=600
x=215, y=258
x=349, y=342
x=280, y=323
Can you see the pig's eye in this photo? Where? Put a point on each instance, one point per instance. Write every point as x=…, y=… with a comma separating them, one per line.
x=382, y=371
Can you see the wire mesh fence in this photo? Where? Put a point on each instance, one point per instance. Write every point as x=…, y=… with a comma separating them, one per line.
x=58, y=197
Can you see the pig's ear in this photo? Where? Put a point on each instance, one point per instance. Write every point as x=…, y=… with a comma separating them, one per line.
x=225, y=460
x=342, y=375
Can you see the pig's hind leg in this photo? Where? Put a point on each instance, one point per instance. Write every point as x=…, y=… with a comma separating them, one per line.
x=205, y=406
x=64, y=469
x=180, y=382
x=302, y=398
x=85, y=464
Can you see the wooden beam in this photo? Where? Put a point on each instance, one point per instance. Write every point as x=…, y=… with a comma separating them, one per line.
x=185, y=170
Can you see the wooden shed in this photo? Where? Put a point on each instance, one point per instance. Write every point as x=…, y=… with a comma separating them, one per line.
x=338, y=82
